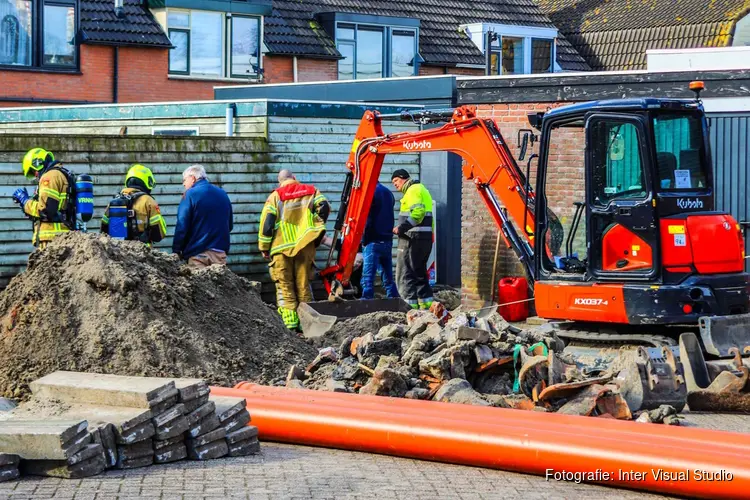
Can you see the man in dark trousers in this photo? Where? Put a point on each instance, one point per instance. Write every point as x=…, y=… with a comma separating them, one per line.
x=378, y=244
x=204, y=221
x=414, y=230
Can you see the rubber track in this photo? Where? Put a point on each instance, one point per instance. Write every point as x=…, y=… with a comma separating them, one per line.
x=616, y=338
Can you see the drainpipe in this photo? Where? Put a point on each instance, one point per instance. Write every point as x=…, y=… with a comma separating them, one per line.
x=231, y=113
x=115, y=74
x=294, y=69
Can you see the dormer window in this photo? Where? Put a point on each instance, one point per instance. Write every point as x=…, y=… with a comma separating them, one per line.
x=515, y=50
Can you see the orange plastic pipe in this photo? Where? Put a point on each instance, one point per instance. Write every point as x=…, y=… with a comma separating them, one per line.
x=544, y=450
x=576, y=424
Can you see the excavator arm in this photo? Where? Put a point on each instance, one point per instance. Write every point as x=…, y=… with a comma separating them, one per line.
x=488, y=163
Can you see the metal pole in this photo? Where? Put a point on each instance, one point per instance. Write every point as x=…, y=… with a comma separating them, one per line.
x=494, y=268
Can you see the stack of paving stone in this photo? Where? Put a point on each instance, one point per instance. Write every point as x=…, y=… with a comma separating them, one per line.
x=242, y=439
x=9, y=467
x=192, y=396
x=57, y=448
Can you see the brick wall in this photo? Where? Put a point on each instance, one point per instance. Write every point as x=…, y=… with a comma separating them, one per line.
x=478, y=230
x=442, y=70
x=279, y=69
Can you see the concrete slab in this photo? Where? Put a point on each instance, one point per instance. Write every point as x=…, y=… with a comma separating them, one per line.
x=194, y=404
x=169, y=415
x=104, y=434
x=168, y=443
x=88, y=452
x=137, y=462
x=8, y=459
x=227, y=406
x=239, y=420
x=202, y=412
x=110, y=390
x=144, y=431
x=172, y=429
x=208, y=424
x=171, y=454
x=131, y=452
x=244, y=448
x=58, y=468
x=243, y=434
x=209, y=437
x=217, y=449
x=165, y=405
x=42, y=440
x=78, y=442
x=9, y=473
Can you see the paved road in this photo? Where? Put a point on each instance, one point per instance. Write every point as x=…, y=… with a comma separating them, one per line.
x=291, y=472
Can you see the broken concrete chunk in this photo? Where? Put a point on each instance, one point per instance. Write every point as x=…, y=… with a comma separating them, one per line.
x=295, y=373
x=418, y=393
x=459, y=391
x=458, y=369
x=239, y=420
x=243, y=434
x=385, y=382
x=228, y=406
x=345, y=349
x=391, y=331
x=465, y=333
x=385, y=347
x=208, y=424
x=207, y=438
x=204, y=411
x=483, y=354
x=347, y=369
x=333, y=385
x=244, y=448
x=422, y=320
x=295, y=384
x=216, y=449
x=327, y=355
x=438, y=365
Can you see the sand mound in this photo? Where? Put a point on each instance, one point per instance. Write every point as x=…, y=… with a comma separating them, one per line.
x=90, y=303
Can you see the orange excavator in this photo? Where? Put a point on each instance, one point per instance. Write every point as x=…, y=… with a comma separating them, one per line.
x=620, y=230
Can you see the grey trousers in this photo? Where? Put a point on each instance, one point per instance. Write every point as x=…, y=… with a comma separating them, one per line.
x=411, y=271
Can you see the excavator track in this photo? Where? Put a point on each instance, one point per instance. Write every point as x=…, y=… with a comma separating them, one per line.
x=579, y=336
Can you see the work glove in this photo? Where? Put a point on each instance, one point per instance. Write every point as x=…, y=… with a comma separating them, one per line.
x=21, y=196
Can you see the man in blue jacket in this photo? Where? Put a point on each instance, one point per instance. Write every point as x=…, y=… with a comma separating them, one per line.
x=204, y=221
x=378, y=244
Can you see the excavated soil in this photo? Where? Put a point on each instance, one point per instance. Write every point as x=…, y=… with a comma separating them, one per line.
x=90, y=303
x=358, y=326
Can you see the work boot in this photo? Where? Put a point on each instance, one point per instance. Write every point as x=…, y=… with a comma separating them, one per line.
x=290, y=318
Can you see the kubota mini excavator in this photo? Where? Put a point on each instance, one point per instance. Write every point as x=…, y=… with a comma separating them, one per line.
x=634, y=177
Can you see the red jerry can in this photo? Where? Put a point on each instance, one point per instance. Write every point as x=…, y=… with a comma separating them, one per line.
x=513, y=290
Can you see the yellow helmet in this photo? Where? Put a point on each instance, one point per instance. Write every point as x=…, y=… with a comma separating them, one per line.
x=34, y=160
x=143, y=174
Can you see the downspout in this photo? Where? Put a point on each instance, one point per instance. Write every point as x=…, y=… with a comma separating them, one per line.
x=294, y=69
x=231, y=112
x=115, y=74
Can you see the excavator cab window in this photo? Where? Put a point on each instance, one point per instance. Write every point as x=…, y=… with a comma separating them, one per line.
x=680, y=151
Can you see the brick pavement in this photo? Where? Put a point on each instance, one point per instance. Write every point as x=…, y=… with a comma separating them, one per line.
x=300, y=472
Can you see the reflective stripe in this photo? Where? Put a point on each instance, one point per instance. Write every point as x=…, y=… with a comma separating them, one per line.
x=265, y=239
x=158, y=219
x=411, y=221
x=105, y=219
x=271, y=209
x=52, y=194
x=420, y=229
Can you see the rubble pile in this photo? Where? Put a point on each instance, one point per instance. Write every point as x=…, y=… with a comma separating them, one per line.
x=91, y=303
x=461, y=358
x=71, y=427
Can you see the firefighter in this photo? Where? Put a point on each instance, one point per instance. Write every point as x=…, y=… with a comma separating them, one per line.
x=292, y=225
x=49, y=208
x=415, y=236
x=140, y=217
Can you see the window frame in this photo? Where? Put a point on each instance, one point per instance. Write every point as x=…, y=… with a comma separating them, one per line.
x=37, y=63
x=169, y=65
x=226, y=44
x=528, y=53
x=387, y=45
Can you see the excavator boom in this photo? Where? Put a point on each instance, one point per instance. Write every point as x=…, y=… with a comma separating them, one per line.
x=488, y=163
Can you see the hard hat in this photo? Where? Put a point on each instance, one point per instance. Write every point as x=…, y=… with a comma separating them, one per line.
x=143, y=174
x=35, y=160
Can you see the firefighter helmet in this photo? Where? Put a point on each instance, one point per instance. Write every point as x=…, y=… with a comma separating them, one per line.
x=35, y=161
x=143, y=174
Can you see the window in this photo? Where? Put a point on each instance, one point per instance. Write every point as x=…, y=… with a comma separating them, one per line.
x=376, y=51
x=742, y=32
x=515, y=49
x=214, y=44
x=680, y=151
x=617, y=169
x=512, y=55
x=38, y=33
x=541, y=56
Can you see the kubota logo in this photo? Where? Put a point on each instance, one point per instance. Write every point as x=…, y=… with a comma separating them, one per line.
x=685, y=204
x=423, y=144
x=590, y=302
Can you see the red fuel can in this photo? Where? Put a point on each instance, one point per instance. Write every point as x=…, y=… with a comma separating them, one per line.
x=513, y=290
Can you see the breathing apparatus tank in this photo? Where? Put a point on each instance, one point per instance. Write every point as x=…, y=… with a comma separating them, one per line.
x=118, y=218
x=85, y=197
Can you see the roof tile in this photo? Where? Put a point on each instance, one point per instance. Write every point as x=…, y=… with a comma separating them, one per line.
x=100, y=25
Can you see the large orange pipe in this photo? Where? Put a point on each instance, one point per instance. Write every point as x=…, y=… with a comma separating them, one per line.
x=576, y=424
x=500, y=445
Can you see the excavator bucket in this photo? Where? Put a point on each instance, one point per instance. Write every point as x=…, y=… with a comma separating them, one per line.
x=317, y=318
x=720, y=334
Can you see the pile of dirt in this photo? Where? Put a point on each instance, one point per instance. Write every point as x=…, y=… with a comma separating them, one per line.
x=91, y=303
x=358, y=326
